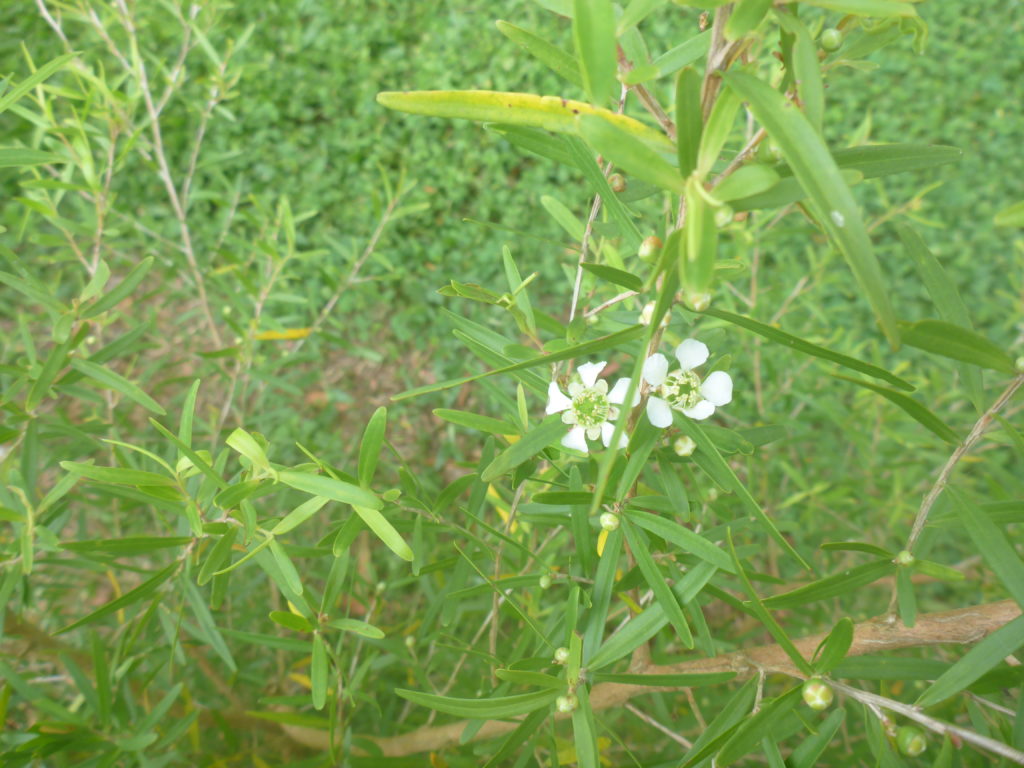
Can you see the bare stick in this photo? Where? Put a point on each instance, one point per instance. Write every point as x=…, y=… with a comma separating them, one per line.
x=965, y=625
x=873, y=700
x=943, y=479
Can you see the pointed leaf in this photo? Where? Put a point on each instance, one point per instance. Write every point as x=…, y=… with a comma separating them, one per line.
x=911, y=407
x=498, y=707
x=956, y=343
x=593, y=33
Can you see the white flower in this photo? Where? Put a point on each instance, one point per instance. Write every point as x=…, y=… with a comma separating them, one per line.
x=682, y=390
x=590, y=407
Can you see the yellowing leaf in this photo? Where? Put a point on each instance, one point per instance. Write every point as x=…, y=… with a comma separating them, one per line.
x=288, y=333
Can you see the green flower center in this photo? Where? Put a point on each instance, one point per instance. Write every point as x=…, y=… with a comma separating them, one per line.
x=681, y=389
x=591, y=408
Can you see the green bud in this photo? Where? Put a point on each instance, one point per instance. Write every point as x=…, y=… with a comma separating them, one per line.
x=724, y=216
x=566, y=703
x=817, y=695
x=609, y=521
x=561, y=655
x=904, y=558
x=831, y=39
x=544, y=582
x=617, y=182
x=911, y=740
x=650, y=249
x=1019, y=364
x=391, y=495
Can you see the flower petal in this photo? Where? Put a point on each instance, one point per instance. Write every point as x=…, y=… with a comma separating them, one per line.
x=618, y=394
x=656, y=369
x=557, y=402
x=588, y=372
x=658, y=412
x=576, y=438
x=701, y=410
x=717, y=388
x=692, y=353
x=607, y=430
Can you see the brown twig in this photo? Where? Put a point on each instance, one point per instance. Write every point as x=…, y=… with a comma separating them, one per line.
x=961, y=626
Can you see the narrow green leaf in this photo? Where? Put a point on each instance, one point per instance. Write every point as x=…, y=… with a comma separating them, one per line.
x=673, y=60
x=360, y=628
x=369, y=448
x=336, y=490
x=910, y=406
x=207, y=625
x=945, y=297
x=129, y=545
x=617, y=276
x=496, y=708
x=750, y=732
x=751, y=179
x=723, y=724
x=55, y=361
x=219, y=554
x=745, y=17
x=516, y=742
x=597, y=616
x=292, y=621
x=612, y=340
x=1011, y=216
x=987, y=654
x=116, y=382
x=717, y=129
x=689, y=120
x=829, y=198
x=116, y=475
x=40, y=75
x=528, y=446
x=992, y=544
x=286, y=566
x=584, y=732
x=384, y=531
x=318, y=672
x=720, y=466
x=144, y=590
x=249, y=447
x=33, y=290
x=188, y=413
x=875, y=160
x=842, y=583
x=629, y=153
x=549, y=112
x=16, y=157
x=682, y=537
x=121, y=291
x=299, y=515
x=809, y=750
x=906, y=600
x=956, y=343
x=551, y=56
x=593, y=33
x=834, y=647
x=877, y=8
x=656, y=581
x=794, y=342
x=766, y=618
x=806, y=69
x=476, y=421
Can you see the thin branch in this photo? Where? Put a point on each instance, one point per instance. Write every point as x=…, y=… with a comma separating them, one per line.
x=874, y=701
x=943, y=479
x=961, y=626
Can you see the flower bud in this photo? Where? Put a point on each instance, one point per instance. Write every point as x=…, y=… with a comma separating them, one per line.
x=391, y=494
x=817, y=695
x=911, y=740
x=1019, y=364
x=650, y=249
x=544, y=581
x=684, y=446
x=410, y=641
x=566, y=703
x=617, y=182
x=904, y=558
x=699, y=301
x=609, y=521
x=561, y=655
x=647, y=314
x=723, y=216
x=831, y=39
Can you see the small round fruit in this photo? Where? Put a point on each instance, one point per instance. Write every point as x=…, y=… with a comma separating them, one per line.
x=831, y=39
x=566, y=703
x=561, y=655
x=544, y=581
x=650, y=248
x=904, y=558
x=684, y=446
x=609, y=521
x=911, y=740
x=617, y=182
x=817, y=695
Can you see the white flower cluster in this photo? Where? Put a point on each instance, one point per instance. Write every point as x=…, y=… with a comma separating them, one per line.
x=591, y=409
